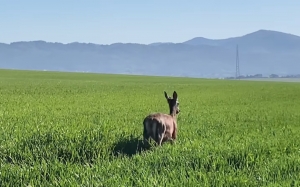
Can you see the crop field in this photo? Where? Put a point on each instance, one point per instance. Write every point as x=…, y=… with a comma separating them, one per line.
x=80, y=129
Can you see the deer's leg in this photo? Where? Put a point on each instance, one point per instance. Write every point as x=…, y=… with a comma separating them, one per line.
x=160, y=135
x=174, y=134
x=146, y=136
x=173, y=137
x=161, y=138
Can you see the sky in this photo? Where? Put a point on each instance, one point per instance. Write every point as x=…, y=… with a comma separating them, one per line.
x=137, y=21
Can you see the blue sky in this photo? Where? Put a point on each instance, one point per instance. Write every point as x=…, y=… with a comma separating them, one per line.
x=137, y=21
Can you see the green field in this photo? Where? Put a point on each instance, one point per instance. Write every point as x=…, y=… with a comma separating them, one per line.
x=77, y=129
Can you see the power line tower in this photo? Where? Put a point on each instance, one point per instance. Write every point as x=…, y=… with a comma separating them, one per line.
x=237, y=64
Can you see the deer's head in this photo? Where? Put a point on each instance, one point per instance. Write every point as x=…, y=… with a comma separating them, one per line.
x=173, y=103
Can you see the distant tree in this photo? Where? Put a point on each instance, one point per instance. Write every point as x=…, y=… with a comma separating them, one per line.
x=273, y=76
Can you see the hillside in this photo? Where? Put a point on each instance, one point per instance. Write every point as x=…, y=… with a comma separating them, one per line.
x=262, y=52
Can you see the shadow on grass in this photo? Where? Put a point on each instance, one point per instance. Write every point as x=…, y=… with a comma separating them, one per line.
x=130, y=147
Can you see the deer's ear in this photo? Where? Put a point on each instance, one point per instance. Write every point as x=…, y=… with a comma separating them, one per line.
x=174, y=95
x=166, y=95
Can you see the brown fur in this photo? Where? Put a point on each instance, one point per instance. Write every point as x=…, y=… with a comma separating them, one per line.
x=162, y=127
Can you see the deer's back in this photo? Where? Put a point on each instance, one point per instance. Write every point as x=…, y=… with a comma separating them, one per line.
x=160, y=119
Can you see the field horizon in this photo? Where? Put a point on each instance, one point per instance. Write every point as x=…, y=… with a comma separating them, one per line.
x=85, y=129
x=161, y=76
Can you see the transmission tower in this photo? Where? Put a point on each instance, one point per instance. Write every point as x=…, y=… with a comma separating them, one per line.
x=237, y=65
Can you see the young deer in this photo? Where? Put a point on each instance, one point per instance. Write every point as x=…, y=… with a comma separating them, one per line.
x=162, y=127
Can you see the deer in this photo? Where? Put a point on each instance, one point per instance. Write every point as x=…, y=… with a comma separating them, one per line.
x=162, y=127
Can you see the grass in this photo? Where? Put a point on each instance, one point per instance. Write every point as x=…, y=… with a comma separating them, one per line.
x=76, y=129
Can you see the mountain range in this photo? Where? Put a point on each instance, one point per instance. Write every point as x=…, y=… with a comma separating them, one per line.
x=260, y=52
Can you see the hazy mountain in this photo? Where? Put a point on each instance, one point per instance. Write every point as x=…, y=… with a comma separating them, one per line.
x=160, y=43
x=263, y=51
x=262, y=40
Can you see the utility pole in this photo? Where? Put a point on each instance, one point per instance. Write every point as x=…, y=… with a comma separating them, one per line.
x=237, y=64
